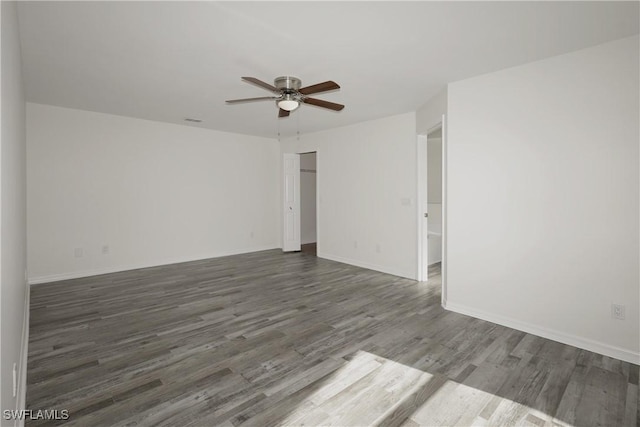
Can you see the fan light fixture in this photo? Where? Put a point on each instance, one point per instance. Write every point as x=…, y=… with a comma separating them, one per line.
x=288, y=95
x=288, y=103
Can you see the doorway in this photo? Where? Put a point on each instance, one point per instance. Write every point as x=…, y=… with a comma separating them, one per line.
x=308, y=203
x=433, y=221
x=432, y=207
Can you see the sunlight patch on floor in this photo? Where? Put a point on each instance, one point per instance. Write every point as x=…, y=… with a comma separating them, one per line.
x=372, y=390
x=456, y=404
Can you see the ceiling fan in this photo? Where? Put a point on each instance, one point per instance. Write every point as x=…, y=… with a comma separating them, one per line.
x=289, y=95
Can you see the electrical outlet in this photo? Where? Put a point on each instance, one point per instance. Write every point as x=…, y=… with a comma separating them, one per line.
x=105, y=249
x=355, y=244
x=251, y=234
x=78, y=252
x=618, y=311
x=378, y=249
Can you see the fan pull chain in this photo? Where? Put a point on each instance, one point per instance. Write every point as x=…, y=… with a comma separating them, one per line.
x=278, y=129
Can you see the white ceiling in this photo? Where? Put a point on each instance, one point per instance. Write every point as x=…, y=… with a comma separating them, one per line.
x=169, y=60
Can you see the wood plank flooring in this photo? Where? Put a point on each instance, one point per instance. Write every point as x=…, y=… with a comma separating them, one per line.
x=290, y=339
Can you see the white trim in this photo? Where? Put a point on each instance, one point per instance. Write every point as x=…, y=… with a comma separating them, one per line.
x=366, y=265
x=552, y=334
x=21, y=401
x=318, y=179
x=445, y=204
x=88, y=273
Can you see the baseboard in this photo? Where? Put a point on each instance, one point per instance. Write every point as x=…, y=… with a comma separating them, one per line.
x=117, y=269
x=21, y=400
x=367, y=265
x=554, y=335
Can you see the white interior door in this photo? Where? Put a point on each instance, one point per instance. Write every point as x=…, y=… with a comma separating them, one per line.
x=291, y=203
x=422, y=187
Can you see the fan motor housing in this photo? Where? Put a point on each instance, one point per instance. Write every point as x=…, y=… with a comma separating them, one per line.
x=287, y=83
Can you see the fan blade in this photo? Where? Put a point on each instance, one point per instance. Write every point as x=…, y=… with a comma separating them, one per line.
x=323, y=104
x=320, y=87
x=283, y=113
x=260, y=83
x=263, y=98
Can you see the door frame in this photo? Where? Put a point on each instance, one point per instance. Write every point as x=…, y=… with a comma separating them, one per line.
x=422, y=244
x=318, y=199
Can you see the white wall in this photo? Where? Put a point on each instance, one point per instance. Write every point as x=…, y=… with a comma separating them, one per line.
x=434, y=170
x=430, y=114
x=367, y=189
x=543, y=197
x=155, y=193
x=13, y=256
x=308, y=198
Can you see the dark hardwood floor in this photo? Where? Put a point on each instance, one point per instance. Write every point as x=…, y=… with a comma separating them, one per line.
x=291, y=339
